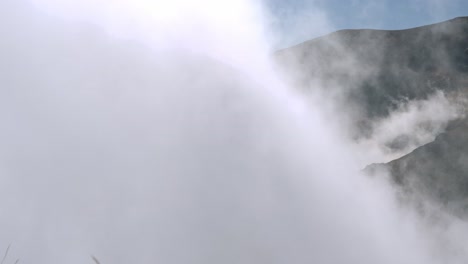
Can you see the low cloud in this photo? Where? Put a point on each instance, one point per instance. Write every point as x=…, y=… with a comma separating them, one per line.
x=411, y=125
x=141, y=137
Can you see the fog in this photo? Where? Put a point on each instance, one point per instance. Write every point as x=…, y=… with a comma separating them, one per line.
x=150, y=131
x=414, y=123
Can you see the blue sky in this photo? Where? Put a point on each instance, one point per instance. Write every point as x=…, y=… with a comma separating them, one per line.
x=298, y=20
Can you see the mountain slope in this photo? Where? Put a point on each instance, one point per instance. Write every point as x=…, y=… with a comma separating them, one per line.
x=437, y=171
x=373, y=71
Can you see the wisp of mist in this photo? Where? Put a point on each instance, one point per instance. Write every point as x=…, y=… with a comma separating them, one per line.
x=160, y=132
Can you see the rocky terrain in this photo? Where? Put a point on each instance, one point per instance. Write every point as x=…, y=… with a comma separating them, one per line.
x=375, y=71
x=437, y=171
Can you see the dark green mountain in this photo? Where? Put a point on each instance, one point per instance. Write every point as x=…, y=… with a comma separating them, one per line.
x=437, y=171
x=374, y=71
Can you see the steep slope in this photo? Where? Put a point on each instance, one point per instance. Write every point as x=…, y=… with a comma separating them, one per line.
x=373, y=71
x=438, y=170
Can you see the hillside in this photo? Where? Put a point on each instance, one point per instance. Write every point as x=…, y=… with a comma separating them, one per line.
x=437, y=171
x=375, y=70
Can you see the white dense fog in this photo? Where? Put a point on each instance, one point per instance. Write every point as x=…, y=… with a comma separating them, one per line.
x=158, y=132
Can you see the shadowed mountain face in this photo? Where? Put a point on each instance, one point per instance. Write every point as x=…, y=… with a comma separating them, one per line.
x=438, y=170
x=375, y=70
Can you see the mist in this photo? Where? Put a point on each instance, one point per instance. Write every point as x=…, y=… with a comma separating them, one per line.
x=414, y=123
x=150, y=131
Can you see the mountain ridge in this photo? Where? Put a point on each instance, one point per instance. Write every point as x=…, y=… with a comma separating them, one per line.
x=374, y=72
x=341, y=31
